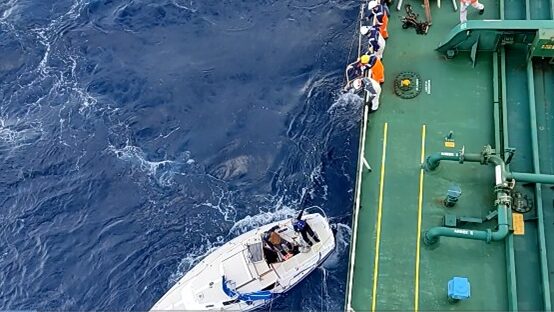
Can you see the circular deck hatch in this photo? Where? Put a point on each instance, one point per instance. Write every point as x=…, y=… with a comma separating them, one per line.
x=407, y=85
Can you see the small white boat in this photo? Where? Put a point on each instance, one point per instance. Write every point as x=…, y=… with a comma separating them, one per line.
x=245, y=273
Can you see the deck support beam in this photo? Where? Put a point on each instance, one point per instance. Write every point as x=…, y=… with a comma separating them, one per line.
x=538, y=178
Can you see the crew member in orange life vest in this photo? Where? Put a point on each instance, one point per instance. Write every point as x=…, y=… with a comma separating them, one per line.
x=376, y=6
x=357, y=69
x=378, y=15
x=464, y=4
x=367, y=62
x=376, y=66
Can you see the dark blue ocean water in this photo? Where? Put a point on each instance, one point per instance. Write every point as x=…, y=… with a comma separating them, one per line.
x=137, y=135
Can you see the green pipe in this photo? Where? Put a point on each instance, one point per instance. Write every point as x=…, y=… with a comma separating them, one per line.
x=496, y=102
x=500, y=146
x=518, y=176
x=499, y=163
x=503, y=226
x=533, y=116
x=504, y=95
x=532, y=177
x=503, y=199
x=432, y=236
x=511, y=272
x=474, y=158
x=538, y=178
x=433, y=160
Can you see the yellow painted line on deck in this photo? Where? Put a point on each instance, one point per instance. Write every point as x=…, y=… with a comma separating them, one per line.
x=379, y=215
x=419, y=209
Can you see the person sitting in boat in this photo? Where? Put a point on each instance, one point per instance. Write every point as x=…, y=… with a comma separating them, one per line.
x=302, y=227
x=375, y=40
x=277, y=243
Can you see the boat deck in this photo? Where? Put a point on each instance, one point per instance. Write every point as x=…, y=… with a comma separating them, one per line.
x=488, y=104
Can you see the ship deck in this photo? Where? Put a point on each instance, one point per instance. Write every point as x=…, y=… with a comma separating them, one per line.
x=485, y=104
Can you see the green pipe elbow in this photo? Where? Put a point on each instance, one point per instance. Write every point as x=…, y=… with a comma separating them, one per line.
x=501, y=233
x=499, y=162
x=496, y=160
x=433, y=160
x=432, y=236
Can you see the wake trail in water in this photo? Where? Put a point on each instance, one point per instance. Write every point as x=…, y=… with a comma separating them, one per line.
x=342, y=241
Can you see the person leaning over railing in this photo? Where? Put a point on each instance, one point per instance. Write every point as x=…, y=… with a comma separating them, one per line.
x=377, y=14
x=375, y=40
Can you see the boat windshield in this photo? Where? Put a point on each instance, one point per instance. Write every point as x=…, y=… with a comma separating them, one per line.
x=256, y=252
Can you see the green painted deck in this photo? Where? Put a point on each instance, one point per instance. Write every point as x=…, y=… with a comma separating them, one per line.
x=461, y=99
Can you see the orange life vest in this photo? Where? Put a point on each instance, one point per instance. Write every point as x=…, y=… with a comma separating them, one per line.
x=378, y=71
x=383, y=30
x=381, y=20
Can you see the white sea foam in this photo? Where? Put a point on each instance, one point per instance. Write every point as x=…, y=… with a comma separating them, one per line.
x=53, y=84
x=251, y=222
x=316, y=179
x=186, y=5
x=315, y=83
x=193, y=257
x=8, y=8
x=346, y=110
x=325, y=288
x=222, y=200
x=163, y=170
x=17, y=133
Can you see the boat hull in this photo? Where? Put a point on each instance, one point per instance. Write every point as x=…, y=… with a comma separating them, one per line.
x=239, y=265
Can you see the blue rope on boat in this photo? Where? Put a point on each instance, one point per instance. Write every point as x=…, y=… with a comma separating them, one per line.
x=253, y=296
